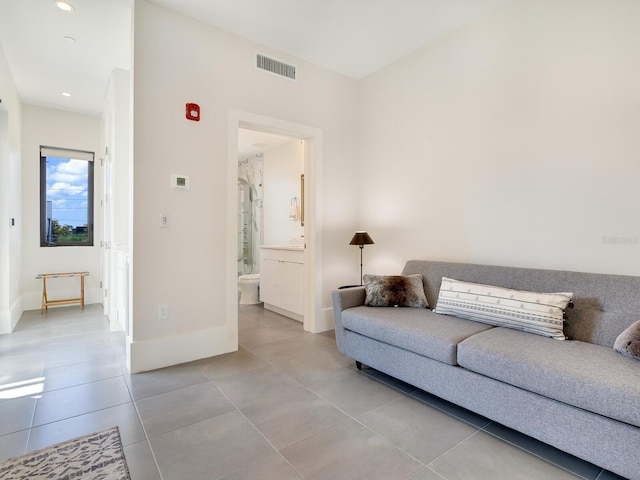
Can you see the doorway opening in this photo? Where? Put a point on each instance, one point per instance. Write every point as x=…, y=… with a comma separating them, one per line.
x=269, y=169
x=311, y=140
x=270, y=223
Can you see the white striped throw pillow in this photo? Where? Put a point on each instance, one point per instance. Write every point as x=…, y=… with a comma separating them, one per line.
x=539, y=313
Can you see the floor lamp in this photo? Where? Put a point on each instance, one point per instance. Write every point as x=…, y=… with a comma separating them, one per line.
x=361, y=238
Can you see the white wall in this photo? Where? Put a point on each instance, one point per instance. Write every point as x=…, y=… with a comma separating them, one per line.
x=10, y=206
x=55, y=128
x=179, y=60
x=511, y=141
x=282, y=166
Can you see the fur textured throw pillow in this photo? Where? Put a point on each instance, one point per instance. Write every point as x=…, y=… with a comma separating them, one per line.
x=395, y=291
x=628, y=342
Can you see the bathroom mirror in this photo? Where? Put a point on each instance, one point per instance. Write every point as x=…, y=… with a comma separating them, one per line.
x=302, y=200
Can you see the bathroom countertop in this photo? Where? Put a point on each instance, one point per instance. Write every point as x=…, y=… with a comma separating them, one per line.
x=294, y=248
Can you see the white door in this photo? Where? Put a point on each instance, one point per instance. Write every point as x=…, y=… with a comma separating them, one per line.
x=107, y=214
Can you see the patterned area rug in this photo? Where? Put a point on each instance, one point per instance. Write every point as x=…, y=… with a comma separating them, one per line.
x=98, y=456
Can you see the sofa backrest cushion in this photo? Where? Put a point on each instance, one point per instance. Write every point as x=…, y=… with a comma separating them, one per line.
x=604, y=305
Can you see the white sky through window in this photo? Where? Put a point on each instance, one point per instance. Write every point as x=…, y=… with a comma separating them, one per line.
x=67, y=187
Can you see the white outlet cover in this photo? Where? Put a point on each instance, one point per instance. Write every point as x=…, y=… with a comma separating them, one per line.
x=180, y=182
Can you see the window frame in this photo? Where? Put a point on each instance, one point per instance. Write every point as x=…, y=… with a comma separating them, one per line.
x=65, y=153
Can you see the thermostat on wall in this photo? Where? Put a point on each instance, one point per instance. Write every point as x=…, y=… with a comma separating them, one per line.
x=180, y=182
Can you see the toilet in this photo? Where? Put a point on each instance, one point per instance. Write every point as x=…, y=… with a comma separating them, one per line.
x=249, y=288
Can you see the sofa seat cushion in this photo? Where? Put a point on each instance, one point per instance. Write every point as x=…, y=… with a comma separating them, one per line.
x=418, y=330
x=587, y=376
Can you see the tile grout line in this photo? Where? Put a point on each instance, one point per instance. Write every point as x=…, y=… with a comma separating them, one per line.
x=306, y=388
x=49, y=339
x=302, y=387
x=33, y=414
x=144, y=429
x=406, y=395
x=479, y=429
x=409, y=395
x=538, y=455
x=56, y=349
x=35, y=405
x=351, y=417
x=347, y=415
x=252, y=425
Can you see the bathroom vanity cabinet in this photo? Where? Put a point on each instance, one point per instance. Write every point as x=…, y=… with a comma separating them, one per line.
x=282, y=279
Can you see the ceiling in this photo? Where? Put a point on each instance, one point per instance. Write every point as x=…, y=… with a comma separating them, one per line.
x=252, y=142
x=352, y=37
x=44, y=64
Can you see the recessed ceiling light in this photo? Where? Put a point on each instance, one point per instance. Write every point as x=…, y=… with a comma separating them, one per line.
x=65, y=94
x=67, y=7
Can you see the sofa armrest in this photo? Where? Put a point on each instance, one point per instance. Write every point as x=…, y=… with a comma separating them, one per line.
x=343, y=299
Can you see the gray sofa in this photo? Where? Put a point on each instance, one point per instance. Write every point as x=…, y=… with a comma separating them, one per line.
x=578, y=395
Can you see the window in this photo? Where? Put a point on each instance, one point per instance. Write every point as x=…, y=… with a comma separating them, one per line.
x=66, y=197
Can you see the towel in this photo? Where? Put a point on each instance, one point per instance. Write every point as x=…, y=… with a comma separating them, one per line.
x=294, y=215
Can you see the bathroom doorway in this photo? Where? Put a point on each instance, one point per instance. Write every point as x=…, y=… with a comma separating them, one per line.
x=311, y=140
x=265, y=215
x=270, y=226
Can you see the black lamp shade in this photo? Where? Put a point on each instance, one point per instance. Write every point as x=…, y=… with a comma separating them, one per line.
x=361, y=238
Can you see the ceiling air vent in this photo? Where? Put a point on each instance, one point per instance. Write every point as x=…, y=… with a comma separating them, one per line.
x=276, y=66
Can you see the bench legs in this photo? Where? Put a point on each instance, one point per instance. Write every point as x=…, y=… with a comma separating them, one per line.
x=358, y=365
x=44, y=295
x=45, y=299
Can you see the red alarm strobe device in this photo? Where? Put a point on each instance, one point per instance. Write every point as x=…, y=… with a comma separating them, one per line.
x=193, y=112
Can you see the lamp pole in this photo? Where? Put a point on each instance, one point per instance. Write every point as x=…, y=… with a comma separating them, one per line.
x=361, y=249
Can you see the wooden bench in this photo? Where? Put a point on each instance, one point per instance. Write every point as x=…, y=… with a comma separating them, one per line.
x=46, y=302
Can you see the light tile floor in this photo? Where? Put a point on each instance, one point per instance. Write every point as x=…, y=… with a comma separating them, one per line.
x=287, y=405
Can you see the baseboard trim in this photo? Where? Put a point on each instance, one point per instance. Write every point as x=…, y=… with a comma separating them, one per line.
x=16, y=312
x=283, y=312
x=325, y=321
x=162, y=352
x=9, y=318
